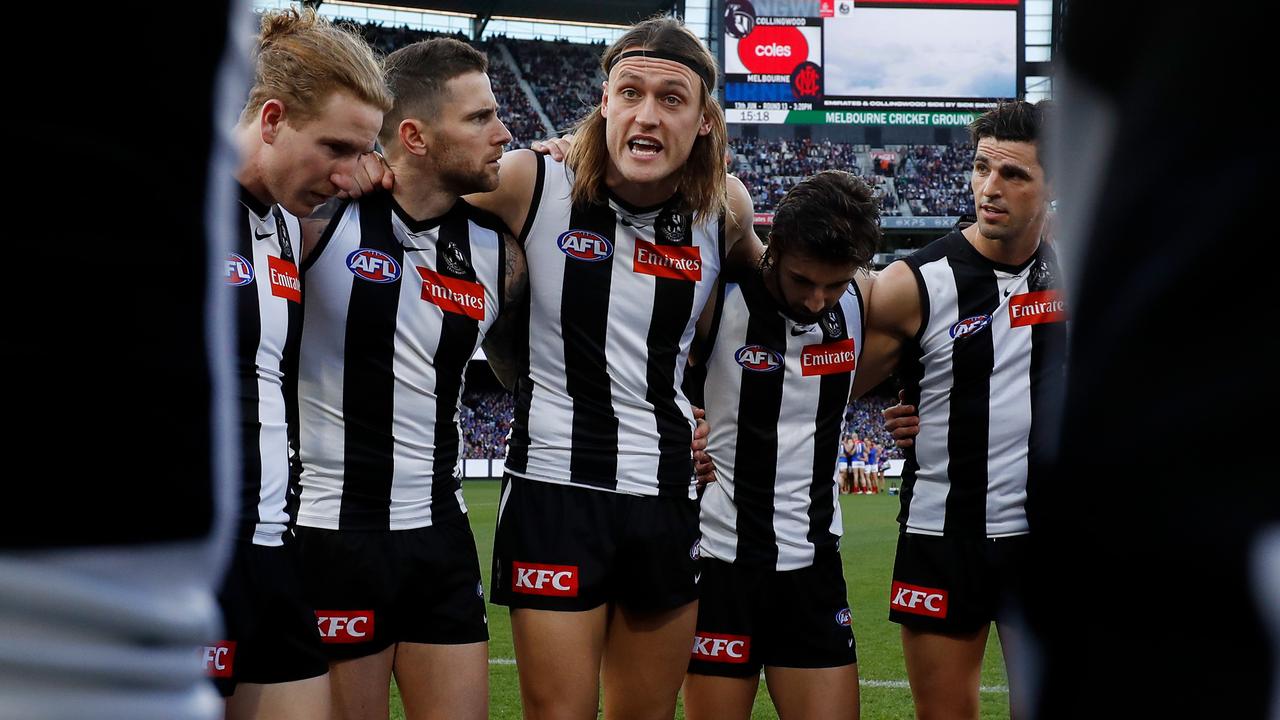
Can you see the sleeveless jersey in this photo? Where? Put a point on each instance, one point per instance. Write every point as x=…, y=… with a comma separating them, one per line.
x=395, y=309
x=615, y=291
x=776, y=393
x=988, y=359
x=262, y=272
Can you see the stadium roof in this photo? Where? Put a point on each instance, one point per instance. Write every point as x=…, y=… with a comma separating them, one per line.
x=610, y=12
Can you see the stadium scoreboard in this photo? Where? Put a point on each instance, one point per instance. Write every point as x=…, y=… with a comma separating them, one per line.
x=870, y=62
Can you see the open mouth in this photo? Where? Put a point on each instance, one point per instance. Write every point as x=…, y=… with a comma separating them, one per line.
x=644, y=147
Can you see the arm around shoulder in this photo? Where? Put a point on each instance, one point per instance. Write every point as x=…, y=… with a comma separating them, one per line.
x=506, y=338
x=743, y=248
x=512, y=201
x=893, y=318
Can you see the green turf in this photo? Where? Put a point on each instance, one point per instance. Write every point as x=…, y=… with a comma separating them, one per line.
x=867, y=551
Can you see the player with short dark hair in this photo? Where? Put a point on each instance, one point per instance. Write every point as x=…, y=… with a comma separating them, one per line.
x=779, y=368
x=402, y=289
x=975, y=323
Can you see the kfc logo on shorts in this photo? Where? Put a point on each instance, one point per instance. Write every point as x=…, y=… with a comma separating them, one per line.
x=683, y=262
x=219, y=659
x=713, y=647
x=583, y=245
x=345, y=626
x=970, y=326
x=930, y=602
x=758, y=358
x=373, y=265
x=553, y=580
x=284, y=279
x=1033, y=308
x=238, y=271
x=844, y=618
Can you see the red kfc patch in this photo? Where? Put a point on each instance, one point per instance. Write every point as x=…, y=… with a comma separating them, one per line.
x=345, y=626
x=917, y=600
x=219, y=659
x=535, y=579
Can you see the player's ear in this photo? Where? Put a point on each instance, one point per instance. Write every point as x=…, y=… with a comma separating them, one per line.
x=271, y=116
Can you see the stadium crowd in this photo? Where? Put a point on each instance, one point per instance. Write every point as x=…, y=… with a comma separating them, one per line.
x=564, y=76
x=909, y=179
x=934, y=179
x=486, y=422
x=517, y=113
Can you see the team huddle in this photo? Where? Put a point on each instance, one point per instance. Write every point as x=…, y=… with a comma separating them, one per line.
x=669, y=520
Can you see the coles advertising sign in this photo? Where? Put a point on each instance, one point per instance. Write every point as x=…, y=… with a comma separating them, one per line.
x=773, y=50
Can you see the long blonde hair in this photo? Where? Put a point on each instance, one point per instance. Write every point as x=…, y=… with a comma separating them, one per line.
x=302, y=57
x=702, y=181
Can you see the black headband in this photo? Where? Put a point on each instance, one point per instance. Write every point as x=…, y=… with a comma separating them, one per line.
x=708, y=80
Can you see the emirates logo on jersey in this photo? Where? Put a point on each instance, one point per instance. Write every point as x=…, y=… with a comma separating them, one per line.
x=758, y=358
x=454, y=295
x=584, y=245
x=237, y=271
x=828, y=358
x=1033, y=308
x=373, y=265
x=678, y=262
x=285, y=282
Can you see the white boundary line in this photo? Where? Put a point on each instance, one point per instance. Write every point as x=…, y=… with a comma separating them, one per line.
x=896, y=684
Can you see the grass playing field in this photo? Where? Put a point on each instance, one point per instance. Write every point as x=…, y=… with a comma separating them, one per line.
x=867, y=551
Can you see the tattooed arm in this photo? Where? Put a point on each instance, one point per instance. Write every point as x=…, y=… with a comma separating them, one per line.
x=509, y=336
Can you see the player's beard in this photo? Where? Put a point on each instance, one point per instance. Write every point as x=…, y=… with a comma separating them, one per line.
x=799, y=315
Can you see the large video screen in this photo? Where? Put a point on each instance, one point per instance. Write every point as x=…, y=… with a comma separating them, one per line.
x=918, y=62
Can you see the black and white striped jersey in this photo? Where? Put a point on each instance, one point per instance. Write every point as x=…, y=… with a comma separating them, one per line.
x=395, y=309
x=986, y=364
x=262, y=271
x=615, y=291
x=775, y=397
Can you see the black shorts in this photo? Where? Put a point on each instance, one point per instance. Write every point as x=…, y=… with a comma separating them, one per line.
x=750, y=618
x=271, y=634
x=955, y=585
x=372, y=589
x=559, y=547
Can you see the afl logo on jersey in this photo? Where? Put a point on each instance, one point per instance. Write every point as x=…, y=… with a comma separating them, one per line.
x=970, y=326
x=758, y=358
x=844, y=618
x=238, y=271
x=583, y=245
x=373, y=265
